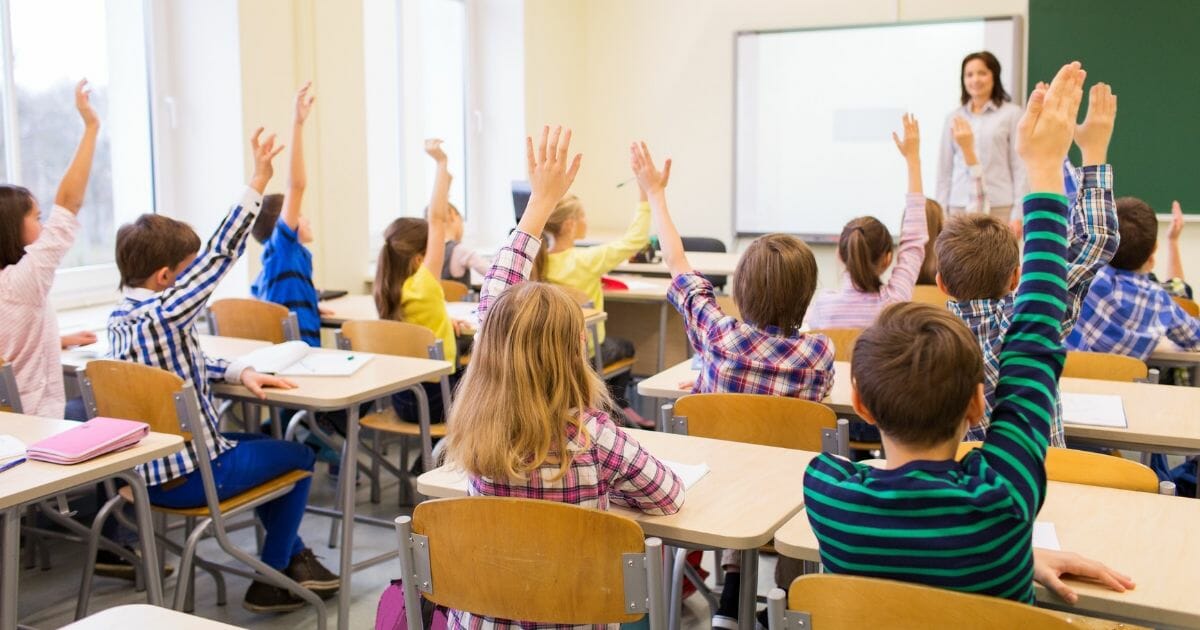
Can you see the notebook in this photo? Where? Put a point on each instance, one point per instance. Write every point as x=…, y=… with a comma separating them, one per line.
x=12, y=452
x=96, y=437
x=296, y=358
x=1096, y=410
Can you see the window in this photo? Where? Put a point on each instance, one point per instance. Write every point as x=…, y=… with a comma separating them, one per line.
x=49, y=45
x=415, y=64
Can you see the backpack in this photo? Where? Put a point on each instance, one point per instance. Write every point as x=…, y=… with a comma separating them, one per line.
x=390, y=613
x=1183, y=475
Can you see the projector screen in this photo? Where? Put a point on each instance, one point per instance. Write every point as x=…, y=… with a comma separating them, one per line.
x=816, y=109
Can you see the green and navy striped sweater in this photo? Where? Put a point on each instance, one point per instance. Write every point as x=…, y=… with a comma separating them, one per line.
x=964, y=525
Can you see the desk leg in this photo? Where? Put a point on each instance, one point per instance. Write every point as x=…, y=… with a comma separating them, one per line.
x=10, y=542
x=145, y=523
x=748, y=589
x=662, y=337
x=276, y=422
x=348, y=473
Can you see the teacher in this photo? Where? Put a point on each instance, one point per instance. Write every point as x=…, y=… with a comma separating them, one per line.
x=978, y=166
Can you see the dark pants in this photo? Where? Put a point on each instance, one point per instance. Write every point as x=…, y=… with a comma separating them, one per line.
x=614, y=349
x=255, y=460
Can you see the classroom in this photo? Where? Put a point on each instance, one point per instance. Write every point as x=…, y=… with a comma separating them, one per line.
x=777, y=314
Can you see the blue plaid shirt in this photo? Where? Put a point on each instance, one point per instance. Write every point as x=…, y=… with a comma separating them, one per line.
x=1093, y=241
x=1129, y=313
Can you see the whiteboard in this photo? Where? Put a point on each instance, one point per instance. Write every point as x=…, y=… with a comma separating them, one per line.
x=815, y=110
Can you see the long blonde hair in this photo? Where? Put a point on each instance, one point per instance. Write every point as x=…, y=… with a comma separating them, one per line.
x=529, y=381
x=567, y=208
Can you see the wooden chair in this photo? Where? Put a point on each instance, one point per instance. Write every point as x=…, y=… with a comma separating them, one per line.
x=845, y=602
x=120, y=389
x=10, y=395
x=930, y=294
x=455, y=291
x=403, y=340
x=757, y=419
x=578, y=566
x=1191, y=307
x=252, y=319
x=1090, y=469
x=606, y=371
x=843, y=340
x=1104, y=366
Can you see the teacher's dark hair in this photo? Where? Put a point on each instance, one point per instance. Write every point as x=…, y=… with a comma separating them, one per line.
x=999, y=96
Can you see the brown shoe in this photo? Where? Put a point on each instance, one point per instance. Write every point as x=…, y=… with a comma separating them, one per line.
x=262, y=597
x=308, y=572
x=109, y=564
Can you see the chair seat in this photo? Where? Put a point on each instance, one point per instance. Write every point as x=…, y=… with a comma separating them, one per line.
x=232, y=503
x=617, y=367
x=389, y=423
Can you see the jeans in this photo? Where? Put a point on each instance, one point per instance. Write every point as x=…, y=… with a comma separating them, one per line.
x=255, y=460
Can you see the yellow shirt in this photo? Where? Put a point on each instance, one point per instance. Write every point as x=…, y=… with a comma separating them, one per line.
x=582, y=267
x=424, y=304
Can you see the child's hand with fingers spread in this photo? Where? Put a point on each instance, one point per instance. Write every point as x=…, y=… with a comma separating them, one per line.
x=433, y=148
x=304, y=103
x=964, y=137
x=256, y=381
x=650, y=179
x=83, y=103
x=264, y=151
x=1045, y=131
x=910, y=145
x=1176, y=222
x=550, y=174
x=1095, y=132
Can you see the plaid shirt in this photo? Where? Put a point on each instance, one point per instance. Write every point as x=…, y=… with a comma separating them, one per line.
x=1093, y=241
x=608, y=466
x=159, y=330
x=739, y=357
x=1129, y=313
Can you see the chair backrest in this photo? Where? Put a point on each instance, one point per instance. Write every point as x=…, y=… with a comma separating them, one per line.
x=575, y=567
x=706, y=244
x=455, y=291
x=1090, y=469
x=10, y=395
x=845, y=602
x=843, y=341
x=132, y=391
x=252, y=319
x=929, y=294
x=1104, y=366
x=758, y=419
x=1190, y=306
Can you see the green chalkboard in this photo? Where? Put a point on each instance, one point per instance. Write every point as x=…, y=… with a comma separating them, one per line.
x=1148, y=51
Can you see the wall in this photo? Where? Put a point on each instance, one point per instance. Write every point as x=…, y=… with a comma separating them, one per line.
x=623, y=69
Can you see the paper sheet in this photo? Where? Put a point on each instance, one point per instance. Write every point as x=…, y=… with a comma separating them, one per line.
x=10, y=447
x=688, y=473
x=1045, y=536
x=1096, y=410
x=466, y=311
x=296, y=358
x=642, y=285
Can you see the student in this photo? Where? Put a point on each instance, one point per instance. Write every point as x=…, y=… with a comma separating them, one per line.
x=1127, y=311
x=934, y=221
x=286, y=276
x=166, y=280
x=29, y=255
x=893, y=522
x=865, y=248
x=765, y=354
x=460, y=259
x=406, y=280
x=978, y=256
x=530, y=419
x=560, y=262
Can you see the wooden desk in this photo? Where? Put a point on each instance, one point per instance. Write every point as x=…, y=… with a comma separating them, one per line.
x=749, y=492
x=1150, y=537
x=33, y=481
x=1161, y=418
x=708, y=263
x=351, y=307
x=143, y=616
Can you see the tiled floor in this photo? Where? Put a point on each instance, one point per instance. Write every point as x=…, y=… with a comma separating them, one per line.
x=47, y=598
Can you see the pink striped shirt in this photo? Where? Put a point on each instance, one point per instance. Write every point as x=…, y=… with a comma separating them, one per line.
x=847, y=307
x=29, y=338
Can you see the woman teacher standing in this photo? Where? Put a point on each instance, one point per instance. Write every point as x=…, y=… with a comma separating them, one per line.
x=978, y=166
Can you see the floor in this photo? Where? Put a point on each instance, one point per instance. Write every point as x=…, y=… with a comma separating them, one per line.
x=47, y=598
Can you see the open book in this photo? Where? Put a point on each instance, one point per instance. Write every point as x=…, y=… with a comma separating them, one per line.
x=296, y=358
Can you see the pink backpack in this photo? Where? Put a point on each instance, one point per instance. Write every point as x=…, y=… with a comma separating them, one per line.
x=389, y=615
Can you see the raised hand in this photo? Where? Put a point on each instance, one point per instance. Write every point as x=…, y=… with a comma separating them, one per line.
x=1095, y=132
x=964, y=137
x=1176, y=222
x=83, y=103
x=650, y=179
x=304, y=103
x=550, y=173
x=433, y=148
x=1045, y=131
x=910, y=145
x=264, y=151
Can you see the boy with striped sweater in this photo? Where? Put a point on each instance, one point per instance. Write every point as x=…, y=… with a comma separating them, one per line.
x=925, y=517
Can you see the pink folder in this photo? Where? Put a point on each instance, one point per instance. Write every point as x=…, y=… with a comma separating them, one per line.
x=93, y=438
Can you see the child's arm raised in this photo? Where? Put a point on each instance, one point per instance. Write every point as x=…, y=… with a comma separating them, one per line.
x=1174, y=262
x=550, y=177
x=74, y=182
x=194, y=286
x=439, y=209
x=914, y=232
x=297, y=175
x=1032, y=356
x=964, y=137
x=653, y=183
